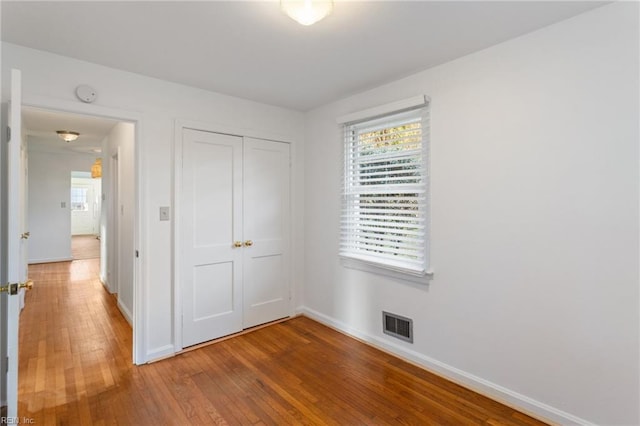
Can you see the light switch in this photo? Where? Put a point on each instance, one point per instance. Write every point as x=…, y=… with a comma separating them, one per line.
x=165, y=213
x=63, y=205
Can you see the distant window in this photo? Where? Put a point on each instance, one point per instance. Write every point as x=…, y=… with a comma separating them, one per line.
x=79, y=200
x=385, y=218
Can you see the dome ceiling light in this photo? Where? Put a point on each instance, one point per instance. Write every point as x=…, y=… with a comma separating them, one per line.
x=67, y=135
x=307, y=12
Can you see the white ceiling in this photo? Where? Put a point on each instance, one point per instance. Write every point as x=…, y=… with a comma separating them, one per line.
x=41, y=126
x=252, y=50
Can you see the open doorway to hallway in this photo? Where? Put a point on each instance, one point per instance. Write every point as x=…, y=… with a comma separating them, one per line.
x=82, y=229
x=66, y=200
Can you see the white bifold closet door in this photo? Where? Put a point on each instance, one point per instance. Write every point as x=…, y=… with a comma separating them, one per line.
x=235, y=234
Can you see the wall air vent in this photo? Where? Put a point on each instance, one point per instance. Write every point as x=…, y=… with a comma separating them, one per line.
x=397, y=326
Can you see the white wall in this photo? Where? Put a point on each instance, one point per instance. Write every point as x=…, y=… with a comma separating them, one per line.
x=121, y=143
x=534, y=222
x=49, y=186
x=158, y=104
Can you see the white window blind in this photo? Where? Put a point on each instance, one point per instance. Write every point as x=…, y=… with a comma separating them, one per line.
x=385, y=218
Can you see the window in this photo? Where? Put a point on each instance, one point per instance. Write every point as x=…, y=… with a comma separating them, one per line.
x=385, y=220
x=79, y=200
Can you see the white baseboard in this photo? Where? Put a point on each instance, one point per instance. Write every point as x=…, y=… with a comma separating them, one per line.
x=104, y=282
x=50, y=260
x=107, y=287
x=484, y=387
x=125, y=313
x=162, y=352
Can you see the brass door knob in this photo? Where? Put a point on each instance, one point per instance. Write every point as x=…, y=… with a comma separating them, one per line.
x=28, y=285
x=12, y=289
x=237, y=244
x=248, y=243
x=25, y=235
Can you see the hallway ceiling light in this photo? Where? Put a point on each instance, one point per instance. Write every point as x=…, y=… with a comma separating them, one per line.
x=307, y=12
x=67, y=135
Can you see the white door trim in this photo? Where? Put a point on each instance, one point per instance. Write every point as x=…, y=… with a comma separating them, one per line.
x=139, y=268
x=231, y=130
x=180, y=126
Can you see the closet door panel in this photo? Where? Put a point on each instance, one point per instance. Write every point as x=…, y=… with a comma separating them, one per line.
x=212, y=208
x=266, y=222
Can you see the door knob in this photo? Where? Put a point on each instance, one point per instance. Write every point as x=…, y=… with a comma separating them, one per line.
x=237, y=244
x=12, y=289
x=25, y=235
x=248, y=243
x=28, y=285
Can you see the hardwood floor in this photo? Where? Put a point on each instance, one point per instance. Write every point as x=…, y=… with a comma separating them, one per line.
x=75, y=369
x=85, y=247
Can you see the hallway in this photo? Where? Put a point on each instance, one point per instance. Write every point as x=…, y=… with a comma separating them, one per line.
x=74, y=344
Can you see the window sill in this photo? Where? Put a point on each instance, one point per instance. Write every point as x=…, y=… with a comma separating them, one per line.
x=362, y=265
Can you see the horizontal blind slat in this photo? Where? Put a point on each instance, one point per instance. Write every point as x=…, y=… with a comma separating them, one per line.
x=417, y=234
x=392, y=252
x=395, y=156
x=360, y=242
x=352, y=222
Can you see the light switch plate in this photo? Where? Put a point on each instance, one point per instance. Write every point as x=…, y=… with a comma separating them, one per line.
x=165, y=213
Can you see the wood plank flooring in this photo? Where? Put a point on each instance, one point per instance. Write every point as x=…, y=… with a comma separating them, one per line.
x=75, y=369
x=85, y=247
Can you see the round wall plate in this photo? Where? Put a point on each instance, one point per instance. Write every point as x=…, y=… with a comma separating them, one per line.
x=86, y=93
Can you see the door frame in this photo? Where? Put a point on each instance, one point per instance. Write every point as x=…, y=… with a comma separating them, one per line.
x=139, y=288
x=113, y=261
x=180, y=126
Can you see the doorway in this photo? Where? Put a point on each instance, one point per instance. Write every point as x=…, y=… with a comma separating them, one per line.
x=85, y=209
x=66, y=203
x=85, y=203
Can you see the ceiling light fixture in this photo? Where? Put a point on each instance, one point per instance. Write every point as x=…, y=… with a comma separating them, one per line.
x=67, y=135
x=307, y=12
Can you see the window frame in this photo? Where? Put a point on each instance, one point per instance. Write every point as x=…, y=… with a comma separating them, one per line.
x=79, y=193
x=420, y=106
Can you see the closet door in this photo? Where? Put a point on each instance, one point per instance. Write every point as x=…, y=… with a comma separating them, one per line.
x=211, y=223
x=266, y=223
